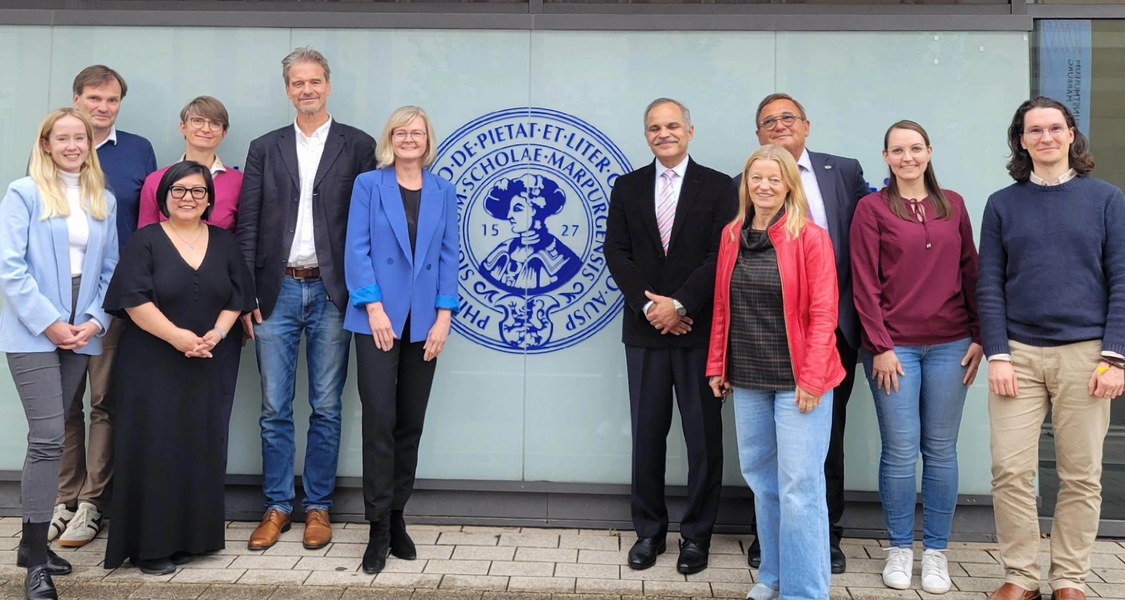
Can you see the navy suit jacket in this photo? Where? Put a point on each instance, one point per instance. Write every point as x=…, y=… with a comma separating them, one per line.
x=380, y=265
x=267, y=211
x=841, y=185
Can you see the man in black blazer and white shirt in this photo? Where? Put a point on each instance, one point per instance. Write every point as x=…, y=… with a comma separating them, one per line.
x=292, y=219
x=661, y=244
x=833, y=186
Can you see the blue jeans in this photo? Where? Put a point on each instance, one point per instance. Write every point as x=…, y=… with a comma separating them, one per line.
x=924, y=415
x=782, y=452
x=302, y=306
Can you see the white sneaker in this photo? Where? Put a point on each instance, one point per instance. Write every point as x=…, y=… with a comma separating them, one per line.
x=62, y=516
x=85, y=525
x=900, y=564
x=762, y=592
x=935, y=572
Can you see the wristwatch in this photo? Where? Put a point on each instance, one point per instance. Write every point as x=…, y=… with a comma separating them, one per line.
x=680, y=310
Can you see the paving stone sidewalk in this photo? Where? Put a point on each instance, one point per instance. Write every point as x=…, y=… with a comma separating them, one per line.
x=498, y=563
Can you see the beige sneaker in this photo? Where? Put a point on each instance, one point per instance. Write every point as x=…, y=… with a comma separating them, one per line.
x=62, y=516
x=83, y=528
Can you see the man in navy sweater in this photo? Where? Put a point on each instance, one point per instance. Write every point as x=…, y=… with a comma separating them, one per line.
x=85, y=473
x=1052, y=313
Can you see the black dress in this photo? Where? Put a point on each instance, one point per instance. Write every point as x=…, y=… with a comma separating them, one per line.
x=172, y=413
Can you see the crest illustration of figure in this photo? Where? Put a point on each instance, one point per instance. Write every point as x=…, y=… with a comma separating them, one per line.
x=534, y=261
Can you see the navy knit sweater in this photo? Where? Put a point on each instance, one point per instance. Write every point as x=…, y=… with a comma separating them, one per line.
x=126, y=165
x=1052, y=265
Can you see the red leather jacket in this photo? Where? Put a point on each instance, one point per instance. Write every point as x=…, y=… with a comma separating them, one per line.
x=810, y=296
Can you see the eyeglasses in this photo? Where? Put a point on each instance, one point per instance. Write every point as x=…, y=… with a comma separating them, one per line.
x=401, y=135
x=200, y=122
x=1036, y=133
x=179, y=191
x=786, y=119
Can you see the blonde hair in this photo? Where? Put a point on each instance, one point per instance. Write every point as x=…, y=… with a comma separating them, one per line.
x=45, y=173
x=384, y=149
x=796, y=205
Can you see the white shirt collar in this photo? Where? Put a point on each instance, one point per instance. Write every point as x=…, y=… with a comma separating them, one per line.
x=805, y=162
x=1037, y=180
x=679, y=169
x=319, y=135
x=216, y=167
x=112, y=137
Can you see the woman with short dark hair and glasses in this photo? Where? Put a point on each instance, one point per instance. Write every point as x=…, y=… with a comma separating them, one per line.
x=204, y=123
x=182, y=286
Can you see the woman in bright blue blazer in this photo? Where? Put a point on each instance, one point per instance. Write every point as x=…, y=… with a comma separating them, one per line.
x=58, y=249
x=400, y=262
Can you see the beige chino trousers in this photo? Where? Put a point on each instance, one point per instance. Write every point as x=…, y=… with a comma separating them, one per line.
x=1053, y=378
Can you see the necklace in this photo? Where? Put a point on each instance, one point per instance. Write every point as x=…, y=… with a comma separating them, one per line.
x=194, y=240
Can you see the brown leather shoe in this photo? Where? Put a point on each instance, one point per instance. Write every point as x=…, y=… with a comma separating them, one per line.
x=1068, y=593
x=318, y=530
x=273, y=524
x=1011, y=591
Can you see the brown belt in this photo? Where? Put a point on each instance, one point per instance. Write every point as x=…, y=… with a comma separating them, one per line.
x=295, y=273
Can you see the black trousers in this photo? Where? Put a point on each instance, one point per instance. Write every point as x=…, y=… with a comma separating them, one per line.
x=653, y=374
x=394, y=389
x=834, y=462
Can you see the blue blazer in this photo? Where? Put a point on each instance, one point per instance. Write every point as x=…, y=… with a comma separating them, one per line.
x=378, y=263
x=35, y=279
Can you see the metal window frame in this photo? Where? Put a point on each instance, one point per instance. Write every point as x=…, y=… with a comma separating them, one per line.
x=534, y=15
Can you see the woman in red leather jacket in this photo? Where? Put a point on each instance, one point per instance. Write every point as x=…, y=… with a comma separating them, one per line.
x=773, y=348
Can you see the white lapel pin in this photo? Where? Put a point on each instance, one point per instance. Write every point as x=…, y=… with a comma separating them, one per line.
x=827, y=166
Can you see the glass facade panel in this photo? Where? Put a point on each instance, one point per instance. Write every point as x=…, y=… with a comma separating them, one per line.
x=532, y=385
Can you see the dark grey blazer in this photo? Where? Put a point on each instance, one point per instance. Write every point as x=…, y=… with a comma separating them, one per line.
x=267, y=211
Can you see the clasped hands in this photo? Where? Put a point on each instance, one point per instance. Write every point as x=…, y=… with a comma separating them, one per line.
x=195, y=346
x=662, y=315
x=72, y=337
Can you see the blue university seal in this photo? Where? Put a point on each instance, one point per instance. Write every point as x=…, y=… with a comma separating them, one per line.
x=533, y=190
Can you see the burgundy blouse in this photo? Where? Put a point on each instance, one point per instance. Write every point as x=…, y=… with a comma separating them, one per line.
x=915, y=282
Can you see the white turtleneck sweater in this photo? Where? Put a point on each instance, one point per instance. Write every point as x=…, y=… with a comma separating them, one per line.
x=78, y=229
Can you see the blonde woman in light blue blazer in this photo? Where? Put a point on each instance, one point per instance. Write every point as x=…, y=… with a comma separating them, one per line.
x=58, y=249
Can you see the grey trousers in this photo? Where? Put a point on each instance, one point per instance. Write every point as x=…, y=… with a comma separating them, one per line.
x=46, y=383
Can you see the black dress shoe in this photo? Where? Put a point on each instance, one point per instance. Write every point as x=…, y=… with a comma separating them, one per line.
x=156, y=566
x=754, y=554
x=401, y=544
x=378, y=544
x=839, y=561
x=693, y=558
x=37, y=584
x=180, y=558
x=56, y=565
x=644, y=552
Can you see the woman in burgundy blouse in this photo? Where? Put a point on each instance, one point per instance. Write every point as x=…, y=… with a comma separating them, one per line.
x=914, y=271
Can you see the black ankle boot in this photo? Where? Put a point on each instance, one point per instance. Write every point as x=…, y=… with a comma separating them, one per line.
x=401, y=544
x=378, y=543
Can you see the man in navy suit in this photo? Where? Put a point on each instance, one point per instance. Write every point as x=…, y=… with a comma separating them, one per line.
x=833, y=186
x=292, y=220
x=661, y=244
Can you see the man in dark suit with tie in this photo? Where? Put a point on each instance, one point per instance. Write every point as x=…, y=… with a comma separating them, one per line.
x=292, y=219
x=833, y=186
x=661, y=244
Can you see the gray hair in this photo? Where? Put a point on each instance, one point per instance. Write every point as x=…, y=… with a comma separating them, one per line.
x=659, y=101
x=304, y=54
x=774, y=98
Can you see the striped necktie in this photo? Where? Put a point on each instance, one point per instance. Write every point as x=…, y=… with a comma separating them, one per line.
x=666, y=207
